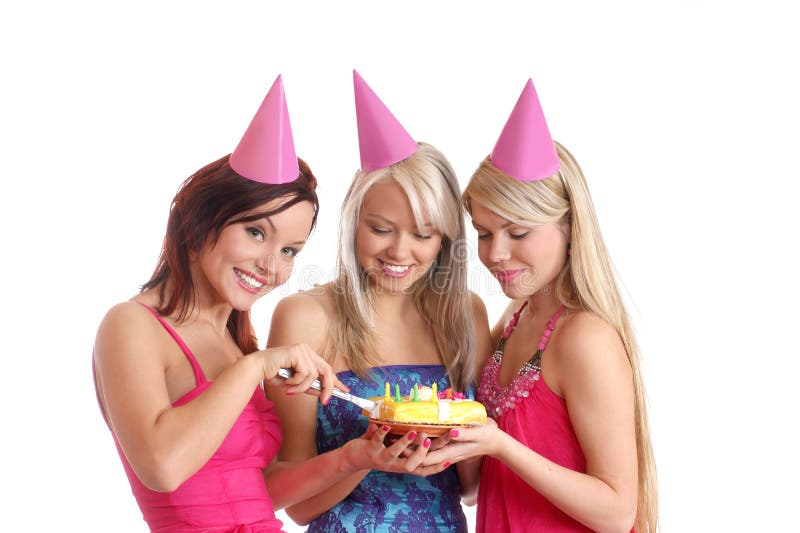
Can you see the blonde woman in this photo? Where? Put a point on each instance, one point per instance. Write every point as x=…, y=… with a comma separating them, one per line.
x=570, y=449
x=397, y=311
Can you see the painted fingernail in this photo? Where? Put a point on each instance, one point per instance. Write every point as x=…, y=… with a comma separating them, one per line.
x=426, y=443
x=446, y=464
x=325, y=401
x=412, y=435
x=385, y=428
x=289, y=393
x=454, y=433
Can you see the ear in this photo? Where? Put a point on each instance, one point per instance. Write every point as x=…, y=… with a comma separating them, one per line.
x=565, y=225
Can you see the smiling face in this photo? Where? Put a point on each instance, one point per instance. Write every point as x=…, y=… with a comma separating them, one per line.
x=249, y=259
x=391, y=248
x=522, y=258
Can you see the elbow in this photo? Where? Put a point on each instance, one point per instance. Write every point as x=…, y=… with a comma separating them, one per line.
x=160, y=474
x=299, y=517
x=621, y=522
x=469, y=499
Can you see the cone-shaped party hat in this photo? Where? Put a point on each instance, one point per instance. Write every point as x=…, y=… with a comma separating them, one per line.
x=525, y=150
x=381, y=138
x=266, y=151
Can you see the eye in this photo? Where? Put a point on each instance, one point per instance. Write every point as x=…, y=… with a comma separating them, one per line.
x=255, y=232
x=379, y=231
x=519, y=236
x=422, y=236
x=288, y=251
x=483, y=236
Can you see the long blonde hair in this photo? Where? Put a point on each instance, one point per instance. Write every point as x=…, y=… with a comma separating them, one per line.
x=586, y=282
x=441, y=296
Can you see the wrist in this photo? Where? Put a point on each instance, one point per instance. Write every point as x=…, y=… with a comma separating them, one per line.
x=498, y=444
x=351, y=457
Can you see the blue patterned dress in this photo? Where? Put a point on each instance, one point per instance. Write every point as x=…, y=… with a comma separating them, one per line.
x=383, y=501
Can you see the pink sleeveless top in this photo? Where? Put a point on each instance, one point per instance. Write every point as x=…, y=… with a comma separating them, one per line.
x=228, y=493
x=530, y=412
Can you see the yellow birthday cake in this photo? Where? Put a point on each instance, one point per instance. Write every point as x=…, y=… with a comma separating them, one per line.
x=425, y=406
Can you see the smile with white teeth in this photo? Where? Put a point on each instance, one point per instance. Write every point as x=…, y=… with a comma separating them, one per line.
x=397, y=269
x=248, y=280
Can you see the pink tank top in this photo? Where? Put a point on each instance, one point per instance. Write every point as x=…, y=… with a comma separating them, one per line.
x=534, y=415
x=228, y=493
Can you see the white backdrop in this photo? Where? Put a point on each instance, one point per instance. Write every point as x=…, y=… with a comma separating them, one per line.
x=682, y=116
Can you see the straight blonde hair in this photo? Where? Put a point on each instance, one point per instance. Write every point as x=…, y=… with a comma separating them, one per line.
x=441, y=296
x=587, y=281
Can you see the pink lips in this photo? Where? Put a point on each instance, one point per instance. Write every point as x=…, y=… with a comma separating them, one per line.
x=506, y=276
x=247, y=287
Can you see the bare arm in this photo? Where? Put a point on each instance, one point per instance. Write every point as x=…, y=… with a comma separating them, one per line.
x=165, y=445
x=310, y=484
x=591, y=369
x=469, y=471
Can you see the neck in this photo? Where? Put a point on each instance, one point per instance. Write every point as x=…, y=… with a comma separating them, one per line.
x=543, y=303
x=393, y=305
x=207, y=308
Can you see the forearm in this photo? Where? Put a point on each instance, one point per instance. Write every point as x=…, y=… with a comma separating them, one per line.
x=469, y=474
x=309, y=488
x=584, y=497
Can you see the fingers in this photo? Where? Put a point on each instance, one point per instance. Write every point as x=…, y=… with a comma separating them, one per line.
x=379, y=434
x=440, y=442
x=425, y=470
x=308, y=366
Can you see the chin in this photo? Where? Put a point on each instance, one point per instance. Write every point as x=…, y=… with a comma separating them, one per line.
x=515, y=293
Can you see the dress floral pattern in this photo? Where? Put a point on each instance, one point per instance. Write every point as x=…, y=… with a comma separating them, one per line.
x=384, y=501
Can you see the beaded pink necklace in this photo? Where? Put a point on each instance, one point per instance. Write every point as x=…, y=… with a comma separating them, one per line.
x=499, y=400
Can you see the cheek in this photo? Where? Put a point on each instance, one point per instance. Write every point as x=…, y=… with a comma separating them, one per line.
x=483, y=252
x=430, y=250
x=284, y=271
x=365, y=243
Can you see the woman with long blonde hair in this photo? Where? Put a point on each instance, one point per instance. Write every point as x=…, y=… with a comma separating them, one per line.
x=398, y=311
x=568, y=448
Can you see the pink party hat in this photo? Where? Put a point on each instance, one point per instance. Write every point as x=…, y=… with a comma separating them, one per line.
x=525, y=150
x=266, y=151
x=381, y=138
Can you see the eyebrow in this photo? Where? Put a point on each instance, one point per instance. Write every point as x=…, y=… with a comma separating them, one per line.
x=271, y=225
x=504, y=226
x=375, y=215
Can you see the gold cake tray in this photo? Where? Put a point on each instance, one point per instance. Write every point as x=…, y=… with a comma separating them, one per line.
x=431, y=430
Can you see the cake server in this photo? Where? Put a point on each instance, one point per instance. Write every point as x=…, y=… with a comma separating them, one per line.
x=367, y=405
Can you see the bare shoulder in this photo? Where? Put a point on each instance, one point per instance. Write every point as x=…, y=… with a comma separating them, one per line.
x=586, y=348
x=509, y=311
x=483, y=340
x=316, y=304
x=303, y=317
x=125, y=322
x=478, y=308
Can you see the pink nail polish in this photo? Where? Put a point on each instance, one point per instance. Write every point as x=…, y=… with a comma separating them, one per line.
x=289, y=393
x=325, y=401
x=385, y=428
x=426, y=443
x=446, y=464
x=412, y=435
x=454, y=433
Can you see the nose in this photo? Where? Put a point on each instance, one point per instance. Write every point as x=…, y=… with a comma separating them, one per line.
x=499, y=251
x=399, y=248
x=265, y=264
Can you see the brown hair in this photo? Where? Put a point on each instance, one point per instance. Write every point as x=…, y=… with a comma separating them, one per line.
x=206, y=202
